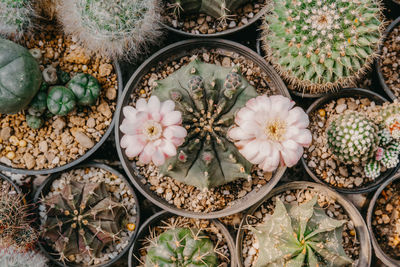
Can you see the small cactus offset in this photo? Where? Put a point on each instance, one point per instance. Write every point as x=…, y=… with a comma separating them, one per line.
x=12, y=257
x=115, y=29
x=318, y=45
x=82, y=219
x=181, y=247
x=372, y=169
x=385, y=137
x=352, y=138
x=391, y=119
x=15, y=17
x=208, y=97
x=300, y=235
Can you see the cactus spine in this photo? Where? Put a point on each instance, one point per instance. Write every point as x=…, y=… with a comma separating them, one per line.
x=11, y=257
x=15, y=17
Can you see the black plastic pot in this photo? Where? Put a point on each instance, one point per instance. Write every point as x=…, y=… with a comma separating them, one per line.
x=350, y=92
x=44, y=189
x=7, y=179
x=365, y=255
x=175, y=52
x=157, y=220
x=392, y=8
x=88, y=153
x=386, y=259
x=378, y=61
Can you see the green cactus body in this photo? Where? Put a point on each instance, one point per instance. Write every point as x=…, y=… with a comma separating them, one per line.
x=372, y=169
x=390, y=158
x=384, y=137
x=391, y=119
x=208, y=97
x=181, y=247
x=300, y=235
x=63, y=76
x=15, y=17
x=86, y=89
x=61, y=100
x=322, y=45
x=352, y=138
x=38, y=105
x=34, y=122
x=82, y=219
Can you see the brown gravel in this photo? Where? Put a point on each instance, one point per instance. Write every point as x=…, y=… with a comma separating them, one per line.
x=391, y=61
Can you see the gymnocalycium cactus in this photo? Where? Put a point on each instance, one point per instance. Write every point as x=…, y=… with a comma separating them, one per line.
x=352, y=137
x=86, y=89
x=181, y=247
x=15, y=17
x=113, y=29
x=82, y=219
x=300, y=235
x=322, y=45
x=61, y=100
x=208, y=97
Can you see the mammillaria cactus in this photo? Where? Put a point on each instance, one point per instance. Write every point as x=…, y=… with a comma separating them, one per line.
x=391, y=119
x=322, y=45
x=15, y=17
x=300, y=235
x=181, y=247
x=111, y=28
x=12, y=257
x=82, y=219
x=86, y=89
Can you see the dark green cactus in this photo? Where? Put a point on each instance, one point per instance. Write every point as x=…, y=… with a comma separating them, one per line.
x=86, y=89
x=300, y=235
x=181, y=247
x=61, y=100
x=34, y=122
x=38, y=105
x=208, y=97
x=83, y=219
x=63, y=76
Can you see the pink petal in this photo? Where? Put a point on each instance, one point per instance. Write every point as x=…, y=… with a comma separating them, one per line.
x=167, y=106
x=258, y=103
x=250, y=150
x=141, y=104
x=237, y=133
x=251, y=127
x=154, y=104
x=244, y=114
x=168, y=148
x=156, y=116
x=134, y=145
x=280, y=106
x=171, y=118
x=271, y=163
x=129, y=128
x=177, y=141
x=129, y=112
x=298, y=118
x=265, y=151
x=148, y=151
x=304, y=137
x=158, y=157
x=174, y=131
x=291, y=152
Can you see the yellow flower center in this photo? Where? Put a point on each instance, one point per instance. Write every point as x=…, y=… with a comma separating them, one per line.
x=152, y=130
x=275, y=130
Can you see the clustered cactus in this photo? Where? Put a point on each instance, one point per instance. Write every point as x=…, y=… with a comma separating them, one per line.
x=181, y=247
x=82, y=219
x=208, y=96
x=322, y=45
x=12, y=257
x=15, y=17
x=300, y=235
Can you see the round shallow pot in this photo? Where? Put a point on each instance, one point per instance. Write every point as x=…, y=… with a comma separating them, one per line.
x=350, y=92
x=157, y=219
x=378, y=61
x=7, y=179
x=44, y=189
x=171, y=53
x=392, y=8
x=386, y=259
x=88, y=153
x=365, y=255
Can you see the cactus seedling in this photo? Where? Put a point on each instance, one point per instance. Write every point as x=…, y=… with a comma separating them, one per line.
x=208, y=97
x=15, y=17
x=300, y=235
x=86, y=89
x=38, y=105
x=61, y=100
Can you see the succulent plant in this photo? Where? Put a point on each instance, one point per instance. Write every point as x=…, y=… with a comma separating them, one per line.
x=63, y=76
x=384, y=137
x=20, y=77
x=318, y=45
x=372, y=169
x=181, y=247
x=208, y=97
x=391, y=119
x=82, y=219
x=38, y=105
x=12, y=257
x=86, y=89
x=300, y=235
x=390, y=158
x=352, y=137
x=34, y=122
x=111, y=28
x=61, y=100
x=15, y=17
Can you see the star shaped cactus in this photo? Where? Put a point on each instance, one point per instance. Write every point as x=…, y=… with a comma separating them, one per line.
x=300, y=235
x=82, y=219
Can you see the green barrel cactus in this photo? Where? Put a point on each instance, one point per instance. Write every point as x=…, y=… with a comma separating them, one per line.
x=300, y=235
x=86, y=89
x=352, y=137
x=181, y=247
x=15, y=17
x=20, y=77
x=208, y=97
x=317, y=45
x=391, y=119
x=82, y=219
x=61, y=100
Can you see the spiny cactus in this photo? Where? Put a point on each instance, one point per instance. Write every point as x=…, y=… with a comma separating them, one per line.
x=208, y=97
x=82, y=219
x=372, y=169
x=115, y=29
x=300, y=235
x=11, y=257
x=391, y=119
x=181, y=247
x=318, y=45
x=15, y=17
x=352, y=137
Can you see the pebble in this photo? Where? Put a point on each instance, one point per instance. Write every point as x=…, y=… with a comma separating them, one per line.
x=5, y=133
x=104, y=109
x=341, y=108
x=83, y=139
x=59, y=124
x=91, y=123
x=43, y=146
x=358, y=181
x=226, y=62
x=29, y=161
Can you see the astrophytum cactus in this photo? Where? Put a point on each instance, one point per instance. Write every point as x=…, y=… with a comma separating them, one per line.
x=208, y=97
x=181, y=247
x=320, y=45
x=300, y=235
x=15, y=17
x=82, y=219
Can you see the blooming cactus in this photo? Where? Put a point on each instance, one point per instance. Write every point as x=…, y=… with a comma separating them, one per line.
x=269, y=131
x=152, y=130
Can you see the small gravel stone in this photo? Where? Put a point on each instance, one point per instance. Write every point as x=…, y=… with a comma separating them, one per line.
x=83, y=140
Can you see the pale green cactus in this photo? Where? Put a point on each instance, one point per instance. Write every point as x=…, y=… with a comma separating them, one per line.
x=15, y=17
x=300, y=235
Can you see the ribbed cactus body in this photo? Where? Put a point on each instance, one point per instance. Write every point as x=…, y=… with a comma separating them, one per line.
x=208, y=97
x=181, y=247
x=15, y=17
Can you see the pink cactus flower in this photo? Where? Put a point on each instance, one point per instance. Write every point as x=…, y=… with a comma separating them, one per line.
x=269, y=131
x=152, y=130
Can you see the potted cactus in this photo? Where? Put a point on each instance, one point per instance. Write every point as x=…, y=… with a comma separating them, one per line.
x=308, y=224
x=88, y=216
x=15, y=17
x=165, y=239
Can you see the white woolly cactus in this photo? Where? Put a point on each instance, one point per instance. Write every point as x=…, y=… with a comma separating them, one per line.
x=115, y=29
x=320, y=45
x=10, y=257
x=15, y=17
